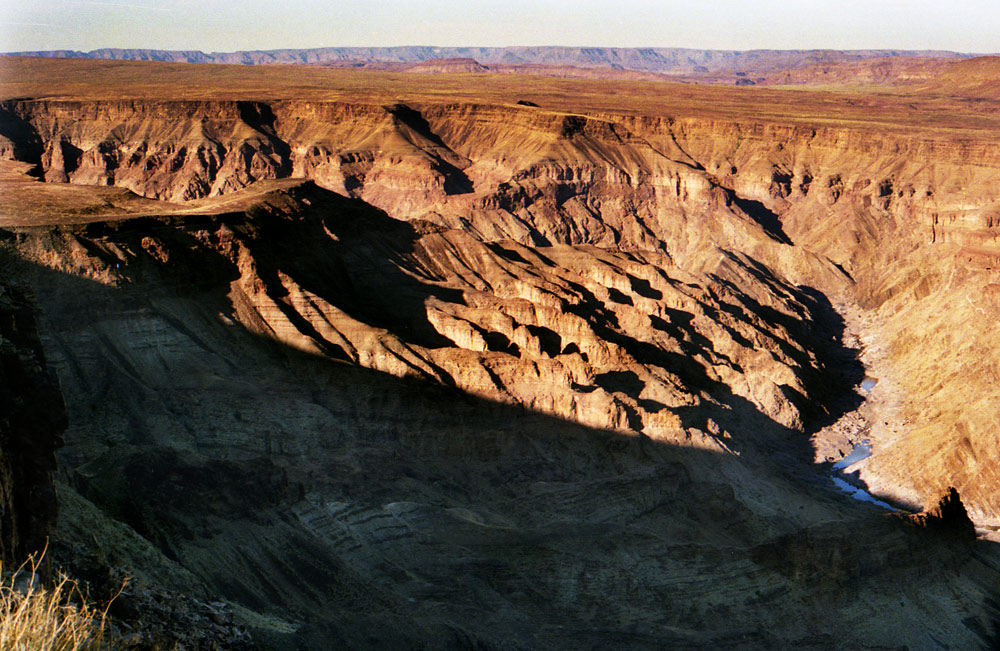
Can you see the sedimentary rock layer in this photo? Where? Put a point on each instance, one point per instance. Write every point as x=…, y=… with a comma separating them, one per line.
x=511, y=376
x=908, y=222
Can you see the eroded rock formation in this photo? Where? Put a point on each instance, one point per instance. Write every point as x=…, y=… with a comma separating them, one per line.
x=506, y=376
x=948, y=518
x=822, y=206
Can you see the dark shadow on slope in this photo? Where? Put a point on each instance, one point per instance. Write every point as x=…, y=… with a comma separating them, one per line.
x=626, y=382
x=693, y=343
x=455, y=180
x=619, y=297
x=227, y=513
x=839, y=369
x=507, y=254
x=414, y=120
x=767, y=219
x=728, y=411
x=642, y=287
x=26, y=142
x=262, y=468
x=71, y=155
x=260, y=116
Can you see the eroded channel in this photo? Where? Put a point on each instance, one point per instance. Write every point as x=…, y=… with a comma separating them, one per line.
x=861, y=451
x=850, y=440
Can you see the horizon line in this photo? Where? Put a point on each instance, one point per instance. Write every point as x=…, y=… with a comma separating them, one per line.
x=498, y=47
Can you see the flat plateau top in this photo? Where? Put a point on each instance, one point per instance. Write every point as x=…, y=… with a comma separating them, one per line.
x=963, y=104
x=26, y=201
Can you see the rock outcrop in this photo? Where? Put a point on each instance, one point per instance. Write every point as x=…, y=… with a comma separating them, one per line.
x=948, y=518
x=832, y=208
x=395, y=370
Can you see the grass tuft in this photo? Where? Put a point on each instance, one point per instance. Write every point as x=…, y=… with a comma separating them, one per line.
x=57, y=617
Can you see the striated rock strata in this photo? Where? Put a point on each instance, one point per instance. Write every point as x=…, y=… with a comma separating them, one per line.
x=905, y=223
x=505, y=376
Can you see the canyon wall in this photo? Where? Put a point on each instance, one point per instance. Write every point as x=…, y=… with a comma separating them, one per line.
x=504, y=377
x=369, y=432
x=906, y=225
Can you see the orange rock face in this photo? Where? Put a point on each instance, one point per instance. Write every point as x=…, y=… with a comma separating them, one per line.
x=474, y=352
x=833, y=208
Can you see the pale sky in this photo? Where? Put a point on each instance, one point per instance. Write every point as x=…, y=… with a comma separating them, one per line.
x=224, y=25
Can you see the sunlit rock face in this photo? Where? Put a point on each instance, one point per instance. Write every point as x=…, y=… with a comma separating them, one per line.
x=906, y=221
x=394, y=373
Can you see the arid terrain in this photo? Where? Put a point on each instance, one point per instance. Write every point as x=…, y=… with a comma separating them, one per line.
x=673, y=61
x=374, y=359
x=748, y=67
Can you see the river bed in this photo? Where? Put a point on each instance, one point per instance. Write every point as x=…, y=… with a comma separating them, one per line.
x=852, y=430
x=861, y=451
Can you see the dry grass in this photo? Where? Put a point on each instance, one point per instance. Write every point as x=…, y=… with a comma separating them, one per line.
x=36, y=617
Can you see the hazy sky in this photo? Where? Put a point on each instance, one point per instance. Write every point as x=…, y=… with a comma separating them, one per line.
x=220, y=25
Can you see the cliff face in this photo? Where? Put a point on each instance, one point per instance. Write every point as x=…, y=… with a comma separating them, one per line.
x=908, y=222
x=32, y=421
x=535, y=176
x=467, y=370
x=211, y=149
x=500, y=173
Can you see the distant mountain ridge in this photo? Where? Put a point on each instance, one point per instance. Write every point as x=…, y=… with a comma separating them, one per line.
x=659, y=60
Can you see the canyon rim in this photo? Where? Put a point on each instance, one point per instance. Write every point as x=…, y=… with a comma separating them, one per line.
x=434, y=353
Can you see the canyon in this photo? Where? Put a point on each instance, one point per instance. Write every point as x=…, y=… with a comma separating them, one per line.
x=386, y=360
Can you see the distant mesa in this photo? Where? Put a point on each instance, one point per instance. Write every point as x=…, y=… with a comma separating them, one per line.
x=440, y=66
x=711, y=66
x=725, y=67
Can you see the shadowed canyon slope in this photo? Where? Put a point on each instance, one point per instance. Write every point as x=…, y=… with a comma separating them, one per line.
x=381, y=364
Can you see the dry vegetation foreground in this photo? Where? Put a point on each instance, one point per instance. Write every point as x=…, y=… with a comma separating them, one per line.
x=385, y=360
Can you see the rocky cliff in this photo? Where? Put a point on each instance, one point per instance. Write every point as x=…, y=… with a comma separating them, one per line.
x=505, y=376
x=891, y=215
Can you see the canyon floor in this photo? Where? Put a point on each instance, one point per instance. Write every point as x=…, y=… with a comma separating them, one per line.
x=358, y=359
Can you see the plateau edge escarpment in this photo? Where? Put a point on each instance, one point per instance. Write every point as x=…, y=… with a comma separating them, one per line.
x=382, y=363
